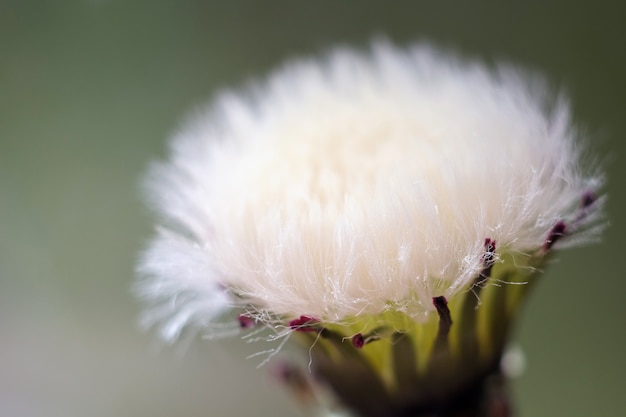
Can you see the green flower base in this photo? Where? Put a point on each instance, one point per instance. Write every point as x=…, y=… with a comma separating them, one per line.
x=391, y=365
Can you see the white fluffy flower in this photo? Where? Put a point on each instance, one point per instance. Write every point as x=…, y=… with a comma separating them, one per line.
x=360, y=183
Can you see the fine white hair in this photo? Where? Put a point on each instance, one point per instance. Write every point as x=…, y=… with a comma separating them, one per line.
x=357, y=183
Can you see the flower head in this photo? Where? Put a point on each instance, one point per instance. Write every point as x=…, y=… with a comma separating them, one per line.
x=367, y=196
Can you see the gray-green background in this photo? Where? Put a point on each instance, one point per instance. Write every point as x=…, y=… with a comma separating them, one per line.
x=91, y=90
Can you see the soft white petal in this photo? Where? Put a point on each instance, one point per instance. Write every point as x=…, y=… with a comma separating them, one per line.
x=338, y=185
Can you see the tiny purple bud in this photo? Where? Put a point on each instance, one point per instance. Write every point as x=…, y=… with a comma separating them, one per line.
x=304, y=324
x=358, y=340
x=245, y=322
x=489, y=258
x=441, y=304
x=588, y=199
x=490, y=250
x=557, y=232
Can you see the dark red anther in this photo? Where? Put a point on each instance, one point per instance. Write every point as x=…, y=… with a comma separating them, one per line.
x=557, y=232
x=490, y=250
x=245, y=322
x=445, y=319
x=358, y=340
x=304, y=324
x=588, y=198
x=488, y=258
x=441, y=304
x=440, y=301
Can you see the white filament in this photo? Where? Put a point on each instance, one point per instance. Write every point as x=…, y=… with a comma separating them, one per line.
x=357, y=183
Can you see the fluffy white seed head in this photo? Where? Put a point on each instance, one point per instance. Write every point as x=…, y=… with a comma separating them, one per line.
x=358, y=183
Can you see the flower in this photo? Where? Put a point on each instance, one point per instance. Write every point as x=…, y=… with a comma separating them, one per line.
x=396, y=196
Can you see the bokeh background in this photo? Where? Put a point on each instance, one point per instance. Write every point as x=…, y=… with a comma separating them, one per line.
x=91, y=90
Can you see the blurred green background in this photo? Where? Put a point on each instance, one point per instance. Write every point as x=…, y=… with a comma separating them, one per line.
x=91, y=90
